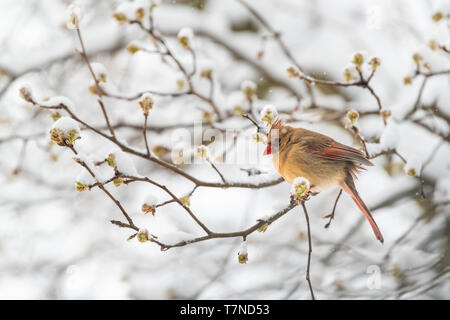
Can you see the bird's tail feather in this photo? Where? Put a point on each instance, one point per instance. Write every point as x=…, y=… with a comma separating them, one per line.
x=349, y=187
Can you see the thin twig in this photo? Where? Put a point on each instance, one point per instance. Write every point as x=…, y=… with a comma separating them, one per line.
x=309, y=251
x=144, y=133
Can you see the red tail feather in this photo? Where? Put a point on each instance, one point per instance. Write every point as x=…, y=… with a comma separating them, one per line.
x=349, y=187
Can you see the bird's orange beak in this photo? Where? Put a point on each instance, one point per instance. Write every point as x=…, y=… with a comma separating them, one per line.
x=268, y=150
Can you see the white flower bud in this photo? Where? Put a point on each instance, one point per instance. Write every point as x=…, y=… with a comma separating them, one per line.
x=149, y=204
x=352, y=117
x=186, y=37
x=143, y=235
x=248, y=87
x=146, y=103
x=269, y=115
x=358, y=60
x=202, y=152
x=413, y=167
x=74, y=17
x=242, y=253
x=300, y=187
x=65, y=131
x=350, y=73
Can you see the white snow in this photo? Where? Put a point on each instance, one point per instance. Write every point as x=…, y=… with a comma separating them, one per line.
x=124, y=163
x=150, y=200
x=66, y=124
x=58, y=100
x=85, y=177
x=99, y=70
x=413, y=166
x=243, y=248
x=390, y=137
x=73, y=16
x=174, y=237
x=248, y=84
x=300, y=184
x=186, y=33
x=129, y=8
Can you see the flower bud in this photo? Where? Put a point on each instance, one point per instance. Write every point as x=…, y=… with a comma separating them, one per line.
x=437, y=16
x=160, y=151
x=185, y=38
x=238, y=111
x=432, y=45
x=25, y=94
x=80, y=187
x=300, y=188
x=74, y=17
x=269, y=115
x=99, y=71
x=417, y=58
x=248, y=87
x=293, y=72
x=146, y=209
x=133, y=48
x=385, y=114
x=207, y=116
x=111, y=160
x=65, y=131
x=117, y=182
x=263, y=228
x=206, y=73
x=358, y=60
x=374, y=63
x=140, y=14
x=242, y=253
x=55, y=116
x=352, y=116
x=180, y=84
x=143, y=235
x=146, y=103
x=149, y=204
x=153, y=5
x=186, y=200
x=202, y=152
x=95, y=90
x=407, y=80
x=413, y=167
x=349, y=73
x=120, y=17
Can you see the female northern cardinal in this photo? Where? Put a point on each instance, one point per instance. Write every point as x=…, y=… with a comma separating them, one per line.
x=323, y=161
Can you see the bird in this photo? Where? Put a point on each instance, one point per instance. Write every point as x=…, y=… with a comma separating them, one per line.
x=326, y=163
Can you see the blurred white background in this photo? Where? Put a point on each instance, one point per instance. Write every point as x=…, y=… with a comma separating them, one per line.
x=56, y=243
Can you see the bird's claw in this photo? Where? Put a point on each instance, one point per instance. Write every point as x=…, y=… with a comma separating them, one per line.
x=330, y=217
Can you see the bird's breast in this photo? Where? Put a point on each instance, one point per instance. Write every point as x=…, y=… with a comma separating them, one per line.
x=322, y=174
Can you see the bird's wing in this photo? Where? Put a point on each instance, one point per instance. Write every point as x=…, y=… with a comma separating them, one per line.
x=333, y=150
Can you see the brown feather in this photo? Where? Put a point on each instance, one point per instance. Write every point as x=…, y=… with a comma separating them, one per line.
x=320, y=159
